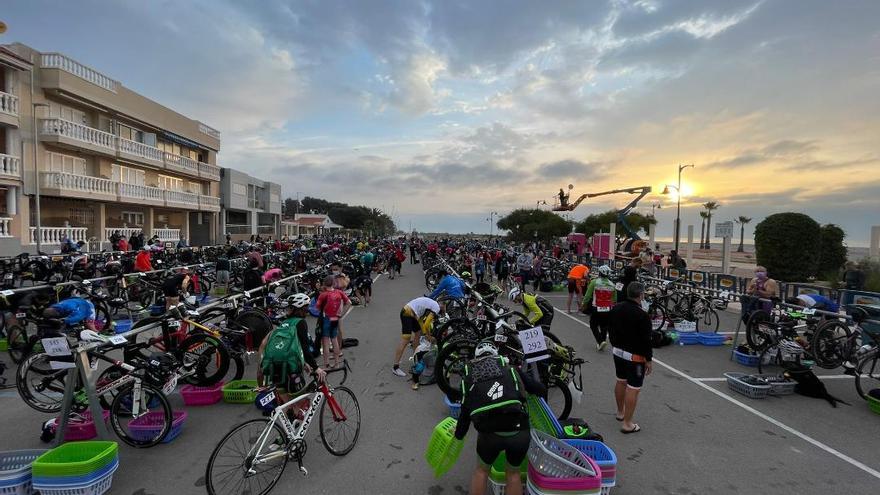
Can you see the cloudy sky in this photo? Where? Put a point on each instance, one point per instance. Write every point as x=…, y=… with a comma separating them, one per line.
x=443, y=111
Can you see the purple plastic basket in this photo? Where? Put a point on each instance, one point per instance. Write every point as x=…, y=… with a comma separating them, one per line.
x=148, y=426
x=202, y=396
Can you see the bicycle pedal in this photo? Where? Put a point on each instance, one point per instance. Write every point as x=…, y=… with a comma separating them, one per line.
x=303, y=471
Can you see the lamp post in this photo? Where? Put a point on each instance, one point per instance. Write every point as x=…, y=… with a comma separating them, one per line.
x=38, y=230
x=654, y=206
x=678, y=204
x=491, y=220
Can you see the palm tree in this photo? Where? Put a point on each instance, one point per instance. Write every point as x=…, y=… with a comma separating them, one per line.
x=710, y=207
x=742, y=221
x=703, y=215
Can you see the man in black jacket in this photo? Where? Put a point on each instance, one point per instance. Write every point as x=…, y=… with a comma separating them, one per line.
x=630, y=334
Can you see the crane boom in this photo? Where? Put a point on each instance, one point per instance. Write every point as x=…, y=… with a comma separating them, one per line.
x=642, y=191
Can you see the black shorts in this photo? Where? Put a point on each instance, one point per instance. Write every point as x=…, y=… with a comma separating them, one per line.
x=170, y=290
x=572, y=286
x=408, y=324
x=632, y=373
x=515, y=447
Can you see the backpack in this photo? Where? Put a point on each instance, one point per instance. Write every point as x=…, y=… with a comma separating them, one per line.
x=496, y=396
x=283, y=355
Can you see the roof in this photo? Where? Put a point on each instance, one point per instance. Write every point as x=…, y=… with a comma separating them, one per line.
x=11, y=58
x=313, y=220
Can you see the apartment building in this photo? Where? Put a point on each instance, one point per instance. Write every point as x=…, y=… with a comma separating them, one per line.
x=249, y=206
x=107, y=159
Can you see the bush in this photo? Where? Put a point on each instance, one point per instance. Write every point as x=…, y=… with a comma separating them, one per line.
x=872, y=274
x=832, y=252
x=524, y=224
x=788, y=245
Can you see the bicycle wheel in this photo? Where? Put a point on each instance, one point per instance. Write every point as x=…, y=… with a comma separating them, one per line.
x=149, y=424
x=230, y=468
x=40, y=386
x=449, y=367
x=658, y=316
x=206, y=356
x=559, y=399
x=17, y=338
x=759, y=330
x=107, y=377
x=708, y=321
x=340, y=421
x=868, y=374
x=831, y=344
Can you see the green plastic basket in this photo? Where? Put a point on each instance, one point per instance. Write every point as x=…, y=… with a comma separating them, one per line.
x=4, y=345
x=443, y=449
x=874, y=404
x=240, y=392
x=75, y=459
x=538, y=419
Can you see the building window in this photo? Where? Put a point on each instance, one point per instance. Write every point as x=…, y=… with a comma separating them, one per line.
x=239, y=189
x=81, y=216
x=133, y=218
x=65, y=163
x=128, y=175
x=195, y=187
x=59, y=111
x=275, y=198
x=170, y=183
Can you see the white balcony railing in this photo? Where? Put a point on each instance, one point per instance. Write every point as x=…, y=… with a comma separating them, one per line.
x=5, y=227
x=182, y=163
x=78, y=132
x=9, y=166
x=54, y=235
x=209, y=171
x=167, y=235
x=8, y=103
x=123, y=231
x=67, y=64
x=146, y=193
x=209, y=201
x=80, y=183
x=139, y=149
x=181, y=197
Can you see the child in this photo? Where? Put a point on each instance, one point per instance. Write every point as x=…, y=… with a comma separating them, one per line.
x=332, y=303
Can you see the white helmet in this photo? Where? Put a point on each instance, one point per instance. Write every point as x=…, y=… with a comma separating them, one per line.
x=299, y=300
x=604, y=270
x=514, y=293
x=485, y=349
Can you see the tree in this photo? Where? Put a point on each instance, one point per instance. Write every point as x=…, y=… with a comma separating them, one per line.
x=832, y=252
x=788, y=244
x=703, y=216
x=291, y=207
x=742, y=221
x=599, y=222
x=710, y=207
x=523, y=224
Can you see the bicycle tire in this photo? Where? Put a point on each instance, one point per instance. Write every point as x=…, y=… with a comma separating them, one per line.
x=757, y=338
x=709, y=321
x=211, y=483
x=658, y=316
x=454, y=352
x=871, y=375
x=107, y=376
x=455, y=328
x=566, y=398
x=204, y=349
x=340, y=397
x=120, y=415
x=831, y=344
x=48, y=379
x=17, y=340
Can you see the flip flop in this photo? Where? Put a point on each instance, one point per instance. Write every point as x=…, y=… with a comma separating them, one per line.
x=619, y=418
x=634, y=430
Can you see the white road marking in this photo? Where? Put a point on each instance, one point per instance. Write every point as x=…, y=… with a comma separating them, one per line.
x=803, y=436
x=821, y=377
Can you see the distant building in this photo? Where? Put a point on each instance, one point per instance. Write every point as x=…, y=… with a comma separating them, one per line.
x=306, y=224
x=250, y=206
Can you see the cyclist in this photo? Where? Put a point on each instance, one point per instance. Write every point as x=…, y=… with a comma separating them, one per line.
x=173, y=286
x=493, y=397
x=817, y=301
x=72, y=311
x=598, y=301
x=363, y=288
x=537, y=309
x=577, y=278
x=332, y=303
x=450, y=285
x=142, y=261
x=416, y=317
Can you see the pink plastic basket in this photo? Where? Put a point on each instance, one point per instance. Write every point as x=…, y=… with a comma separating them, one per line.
x=81, y=428
x=202, y=396
x=583, y=484
x=148, y=426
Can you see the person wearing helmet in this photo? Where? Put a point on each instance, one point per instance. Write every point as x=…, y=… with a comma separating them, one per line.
x=493, y=398
x=450, y=286
x=416, y=317
x=72, y=311
x=537, y=309
x=600, y=297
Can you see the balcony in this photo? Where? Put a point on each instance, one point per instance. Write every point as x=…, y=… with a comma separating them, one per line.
x=10, y=167
x=77, y=186
x=72, y=135
x=8, y=109
x=181, y=199
x=167, y=235
x=71, y=66
x=209, y=203
x=133, y=150
x=54, y=235
x=208, y=171
x=181, y=164
x=5, y=227
x=146, y=195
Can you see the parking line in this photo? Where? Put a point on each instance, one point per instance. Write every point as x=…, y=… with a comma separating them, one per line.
x=803, y=436
x=821, y=377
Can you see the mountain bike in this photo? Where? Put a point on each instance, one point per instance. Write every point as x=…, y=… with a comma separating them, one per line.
x=252, y=456
x=836, y=343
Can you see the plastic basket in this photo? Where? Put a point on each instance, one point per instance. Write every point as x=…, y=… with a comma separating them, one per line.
x=240, y=392
x=874, y=405
x=76, y=480
x=96, y=487
x=688, y=338
x=122, y=326
x=146, y=427
x=15, y=471
x=575, y=484
x=602, y=454
x=82, y=427
x=202, y=396
x=4, y=345
x=541, y=418
x=736, y=383
x=711, y=339
x=556, y=459
x=744, y=359
x=779, y=385
x=75, y=458
x=443, y=450
x=454, y=407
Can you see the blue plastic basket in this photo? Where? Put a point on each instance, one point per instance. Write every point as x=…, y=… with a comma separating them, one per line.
x=605, y=458
x=688, y=338
x=85, y=479
x=711, y=339
x=746, y=359
x=123, y=326
x=148, y=426
x=454, y=407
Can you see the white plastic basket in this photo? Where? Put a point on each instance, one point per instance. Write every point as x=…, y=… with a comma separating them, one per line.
x=15, y=471
x=97, y=487
x=554, y=458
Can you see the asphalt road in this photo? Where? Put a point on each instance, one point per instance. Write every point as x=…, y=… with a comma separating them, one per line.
x=698, y=437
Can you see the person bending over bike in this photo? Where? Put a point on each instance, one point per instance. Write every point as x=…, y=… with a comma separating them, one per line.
x=416, y=317
x=493, y=398
x=72, y=311
x=818, y=302
x=537, y=309
x=450, y=285
x=173, y=286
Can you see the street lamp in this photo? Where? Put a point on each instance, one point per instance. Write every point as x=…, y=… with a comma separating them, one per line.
x=38, y=231
x=491, y=221
x=655, y=206
x=678, y=205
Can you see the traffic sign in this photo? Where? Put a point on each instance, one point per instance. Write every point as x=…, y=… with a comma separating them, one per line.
x=724, y=229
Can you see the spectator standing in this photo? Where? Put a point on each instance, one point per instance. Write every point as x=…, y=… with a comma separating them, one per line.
x=524, y=267
x=631, y=346
x=480, y=267
x=763, y=287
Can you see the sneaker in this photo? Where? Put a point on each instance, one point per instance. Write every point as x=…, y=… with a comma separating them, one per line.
x=603, y=345
x=397, y=371
x=415, y=386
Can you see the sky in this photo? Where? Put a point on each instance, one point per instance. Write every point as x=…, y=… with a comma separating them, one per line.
x=441, y=112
